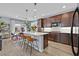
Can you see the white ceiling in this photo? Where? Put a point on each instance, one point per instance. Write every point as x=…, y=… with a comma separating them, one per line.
x=18, y=10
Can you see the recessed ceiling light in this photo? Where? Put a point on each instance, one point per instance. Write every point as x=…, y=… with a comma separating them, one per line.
x=64, y=6
x=34, y=9
x=35, y=16
x=16, y=16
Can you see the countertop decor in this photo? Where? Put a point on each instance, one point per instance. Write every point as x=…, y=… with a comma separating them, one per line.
x=33, y=28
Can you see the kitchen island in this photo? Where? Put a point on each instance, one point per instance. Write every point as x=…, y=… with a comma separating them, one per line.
x=42, y=39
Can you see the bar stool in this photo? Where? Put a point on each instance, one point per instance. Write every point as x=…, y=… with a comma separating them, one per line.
x=23, y=39
x=30, y=42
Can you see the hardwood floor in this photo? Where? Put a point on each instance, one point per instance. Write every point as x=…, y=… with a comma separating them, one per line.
x=53, y=49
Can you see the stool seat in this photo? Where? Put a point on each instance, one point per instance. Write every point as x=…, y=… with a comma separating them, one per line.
x=29, y=38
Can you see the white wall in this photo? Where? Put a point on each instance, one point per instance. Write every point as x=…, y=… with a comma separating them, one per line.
x=7, y=20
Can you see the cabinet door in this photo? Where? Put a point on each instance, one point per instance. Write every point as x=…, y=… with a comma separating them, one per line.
x=45, y=22
x=41, y=23
x=65, y=19
x=75, y=40
x=65, y=39
x=58, y=38
x=58, y=18
x=53, y=36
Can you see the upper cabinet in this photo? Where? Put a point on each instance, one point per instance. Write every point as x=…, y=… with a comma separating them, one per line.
x=45, y=23
x=40, y=24
x=57, y=18
x=66, y=19
x=48, y=21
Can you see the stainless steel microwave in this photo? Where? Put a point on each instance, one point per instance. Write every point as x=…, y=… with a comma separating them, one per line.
x=56, y=24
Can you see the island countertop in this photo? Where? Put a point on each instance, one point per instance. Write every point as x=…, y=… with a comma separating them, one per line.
x=35, y=33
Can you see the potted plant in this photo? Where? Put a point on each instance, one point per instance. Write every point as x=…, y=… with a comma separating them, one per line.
x=33, y=28
x=2, y=25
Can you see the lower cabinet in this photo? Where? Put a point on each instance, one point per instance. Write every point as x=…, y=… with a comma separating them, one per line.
x=75, y=39
x=53, y=36
x=66, y=39
x=63, y=38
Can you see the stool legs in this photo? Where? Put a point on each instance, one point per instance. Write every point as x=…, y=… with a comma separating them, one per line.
x=27, y=45
x=31, y=48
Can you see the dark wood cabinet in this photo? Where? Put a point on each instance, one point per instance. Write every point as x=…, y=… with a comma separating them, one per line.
x=47, y=22
x=53, y=19
x=66, y=19
x=65, y=38
x=59, y=37
x=57, y=18
x=40, y=24
x=45, y=41
x=53, y=36
x=75, y=40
